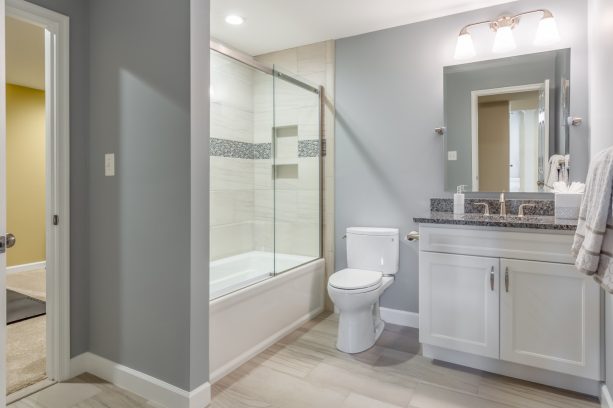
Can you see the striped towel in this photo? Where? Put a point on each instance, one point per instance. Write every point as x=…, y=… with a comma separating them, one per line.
x=593, y=245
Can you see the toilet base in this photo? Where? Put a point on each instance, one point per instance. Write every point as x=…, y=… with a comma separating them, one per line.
x=359, y=331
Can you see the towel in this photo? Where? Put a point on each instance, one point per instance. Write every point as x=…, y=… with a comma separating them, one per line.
x=593, y=244
x=556, y=171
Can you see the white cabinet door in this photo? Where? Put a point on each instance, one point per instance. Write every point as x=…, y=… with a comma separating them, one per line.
x=550, y=318
x=459, y=302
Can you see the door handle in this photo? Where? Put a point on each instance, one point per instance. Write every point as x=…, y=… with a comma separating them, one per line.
x=492, y=278
x=506, y=279
x=10, y=241
x=2, y=244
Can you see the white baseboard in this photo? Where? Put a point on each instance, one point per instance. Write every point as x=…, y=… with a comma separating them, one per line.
x=400, y=317
x=26, y=267
x=148, y=387
x=258, y=348
x=605, y=397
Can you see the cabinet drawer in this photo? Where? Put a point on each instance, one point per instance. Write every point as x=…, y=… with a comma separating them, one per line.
x=548, y=247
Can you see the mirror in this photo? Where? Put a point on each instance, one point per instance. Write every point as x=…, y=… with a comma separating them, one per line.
x=506, y=121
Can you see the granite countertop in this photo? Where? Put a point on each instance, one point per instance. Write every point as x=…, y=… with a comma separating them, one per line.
x=543, y=222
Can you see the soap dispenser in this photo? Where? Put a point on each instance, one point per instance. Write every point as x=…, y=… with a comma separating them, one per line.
x=458, y=200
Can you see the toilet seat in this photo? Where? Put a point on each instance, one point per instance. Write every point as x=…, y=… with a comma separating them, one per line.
x=355, y=280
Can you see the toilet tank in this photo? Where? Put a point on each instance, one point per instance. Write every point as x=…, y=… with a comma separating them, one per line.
x=373, y=249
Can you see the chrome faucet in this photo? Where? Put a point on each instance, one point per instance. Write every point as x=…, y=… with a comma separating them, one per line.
x=486, y=208
x=521, y=209
x=503, y=205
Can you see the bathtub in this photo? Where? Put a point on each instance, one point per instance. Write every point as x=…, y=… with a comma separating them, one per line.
x=236, y=272
x=246, y=321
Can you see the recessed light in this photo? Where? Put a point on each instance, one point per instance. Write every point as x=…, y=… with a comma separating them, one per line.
x=234, y=19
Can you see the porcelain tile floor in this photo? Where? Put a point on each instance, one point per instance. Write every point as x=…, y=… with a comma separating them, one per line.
x=305, y=370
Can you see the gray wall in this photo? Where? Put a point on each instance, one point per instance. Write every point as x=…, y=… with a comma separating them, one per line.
x=139, y=223
x=78, y=11
x=601, y=89
x=199, y=211
x=389, y=98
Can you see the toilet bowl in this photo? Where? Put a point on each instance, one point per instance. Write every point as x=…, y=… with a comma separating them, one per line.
x=372, y=257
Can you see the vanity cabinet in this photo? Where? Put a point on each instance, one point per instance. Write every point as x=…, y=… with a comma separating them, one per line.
x=510, y=296
x=459, y=302
x=549, y=317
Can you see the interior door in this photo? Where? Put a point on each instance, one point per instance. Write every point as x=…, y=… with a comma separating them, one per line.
x=2, y=208
x=549, y=318
x=459, y=302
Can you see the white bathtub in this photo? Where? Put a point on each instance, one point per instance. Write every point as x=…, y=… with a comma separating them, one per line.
x=248, y=320
x=239, y=271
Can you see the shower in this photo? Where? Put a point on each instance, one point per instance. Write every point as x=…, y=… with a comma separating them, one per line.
x=265, y=146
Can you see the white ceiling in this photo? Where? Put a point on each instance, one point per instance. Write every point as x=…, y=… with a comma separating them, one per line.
x=272, y=25
x=25, y=54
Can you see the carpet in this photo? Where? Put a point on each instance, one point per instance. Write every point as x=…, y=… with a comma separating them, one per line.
x=20, y=307
x=25, y=353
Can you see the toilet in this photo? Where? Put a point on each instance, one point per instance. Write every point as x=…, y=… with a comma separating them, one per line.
x=372, y=260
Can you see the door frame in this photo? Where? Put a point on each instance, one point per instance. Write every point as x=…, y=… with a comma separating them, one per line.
x=474, y=121
x=57, y=179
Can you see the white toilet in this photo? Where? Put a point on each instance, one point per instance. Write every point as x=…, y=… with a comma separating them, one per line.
x=372, y=260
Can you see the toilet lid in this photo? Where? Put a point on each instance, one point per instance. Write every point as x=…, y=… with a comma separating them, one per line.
x=355, y=279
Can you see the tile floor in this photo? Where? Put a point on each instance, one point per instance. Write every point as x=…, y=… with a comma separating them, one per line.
x=305, y=370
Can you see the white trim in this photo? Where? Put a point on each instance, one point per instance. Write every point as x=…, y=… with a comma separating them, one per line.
x=514, y=370
x=148, y=387
x=57, y=77
x=2, y=202
x=605, y=397
x=474, y=115
x=400, y=317
x=263, y=345
x=34, y=266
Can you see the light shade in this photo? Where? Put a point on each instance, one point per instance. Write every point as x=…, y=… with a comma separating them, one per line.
x=234, y=19
x=547, y=32
x=464, y=47
x=504, y=40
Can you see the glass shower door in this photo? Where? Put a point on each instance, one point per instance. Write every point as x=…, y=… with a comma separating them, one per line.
x=296, y=172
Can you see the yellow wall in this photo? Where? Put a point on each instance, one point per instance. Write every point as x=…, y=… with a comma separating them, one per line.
x=25, y=159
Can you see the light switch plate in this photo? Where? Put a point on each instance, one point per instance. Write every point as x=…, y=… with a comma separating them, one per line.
x=452, y=155
x=109, y=164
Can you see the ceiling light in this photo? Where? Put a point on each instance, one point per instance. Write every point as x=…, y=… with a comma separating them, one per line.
x=504, y=41
x=547, y=31
x=234, y=19
x=464, y=47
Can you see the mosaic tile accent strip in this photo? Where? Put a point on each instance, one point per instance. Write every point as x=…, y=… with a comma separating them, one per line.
x=262, y=151
x=256, y=151
x=230, y=148
x=308, y=148
x=541, y=207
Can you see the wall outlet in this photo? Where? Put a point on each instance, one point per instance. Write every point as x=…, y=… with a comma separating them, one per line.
x=109, y=164
x=452, y=155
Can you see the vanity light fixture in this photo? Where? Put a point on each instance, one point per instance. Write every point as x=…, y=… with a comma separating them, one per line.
x=546, y=34
x=234, y=19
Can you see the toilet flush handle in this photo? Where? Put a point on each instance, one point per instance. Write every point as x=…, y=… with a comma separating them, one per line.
x=413, y=236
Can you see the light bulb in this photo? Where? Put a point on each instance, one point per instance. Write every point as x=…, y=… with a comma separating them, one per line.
x=234, y=19
x=547, y=32
x=464, y=47
x=504, y=40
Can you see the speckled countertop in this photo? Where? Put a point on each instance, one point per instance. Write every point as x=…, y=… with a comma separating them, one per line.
x=542, y=222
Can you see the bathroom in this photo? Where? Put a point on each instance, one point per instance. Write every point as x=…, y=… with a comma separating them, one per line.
x=325, y=203
x=402, y=116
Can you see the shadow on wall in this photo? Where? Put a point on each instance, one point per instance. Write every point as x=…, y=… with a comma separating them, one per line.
x=375, y=167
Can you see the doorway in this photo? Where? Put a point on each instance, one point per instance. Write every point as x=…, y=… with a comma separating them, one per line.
x=34, y=199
